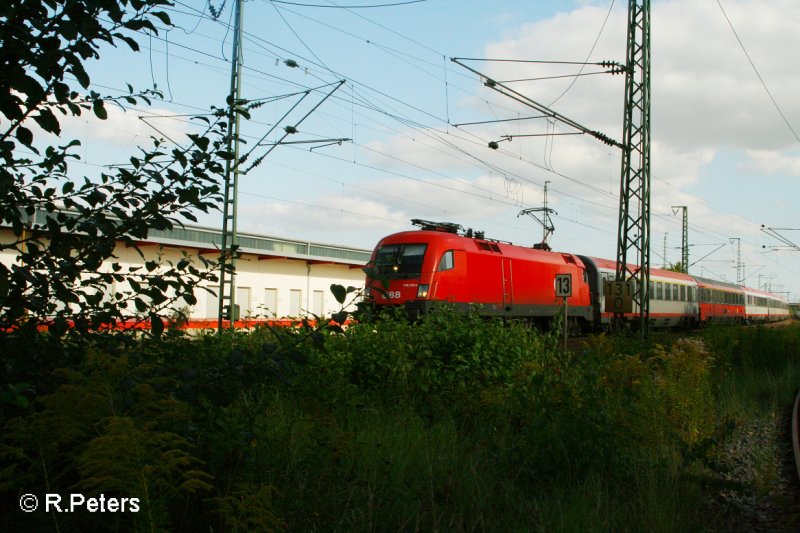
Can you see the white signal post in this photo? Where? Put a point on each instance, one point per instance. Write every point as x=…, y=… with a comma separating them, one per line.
x=564, y=290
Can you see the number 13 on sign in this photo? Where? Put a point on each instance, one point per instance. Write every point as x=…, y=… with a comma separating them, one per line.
x=563, y=285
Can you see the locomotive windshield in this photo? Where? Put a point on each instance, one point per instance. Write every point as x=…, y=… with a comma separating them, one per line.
x=400, y=261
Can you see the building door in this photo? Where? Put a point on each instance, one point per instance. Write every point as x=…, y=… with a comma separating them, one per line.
x=318, y=307
x=243, y=301
x=271, y=303
x=295, y=302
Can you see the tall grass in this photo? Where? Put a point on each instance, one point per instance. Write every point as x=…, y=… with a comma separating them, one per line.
x=759, y=368
x=454, y=423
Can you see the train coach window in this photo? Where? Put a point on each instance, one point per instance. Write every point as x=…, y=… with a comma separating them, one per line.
x=446, y=263
x=667, y=292
x=659, y=291
x=675, y=293
x=683, y=293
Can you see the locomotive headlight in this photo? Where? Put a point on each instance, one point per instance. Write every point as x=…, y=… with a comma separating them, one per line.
x=422, y=291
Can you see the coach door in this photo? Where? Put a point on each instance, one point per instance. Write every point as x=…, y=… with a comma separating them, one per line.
x=508, y=285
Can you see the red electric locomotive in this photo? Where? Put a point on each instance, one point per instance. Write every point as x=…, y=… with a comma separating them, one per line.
x=441, y=263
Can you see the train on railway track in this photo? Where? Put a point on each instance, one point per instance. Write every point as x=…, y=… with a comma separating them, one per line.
x=442, y=263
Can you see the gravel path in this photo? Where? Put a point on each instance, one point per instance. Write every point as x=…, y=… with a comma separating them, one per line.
x=759, y=489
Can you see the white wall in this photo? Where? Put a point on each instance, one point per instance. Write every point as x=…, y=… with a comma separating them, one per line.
x=256, y=273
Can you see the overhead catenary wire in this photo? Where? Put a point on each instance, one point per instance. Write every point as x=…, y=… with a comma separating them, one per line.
x=355, y=6
x=591, y=51
x=406, y=122
x=400, y=114
x=574, y=197
x=758, y=74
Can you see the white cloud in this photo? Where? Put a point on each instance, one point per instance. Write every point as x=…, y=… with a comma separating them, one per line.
x=704, y=91
x=771, y=162
x=124, y=128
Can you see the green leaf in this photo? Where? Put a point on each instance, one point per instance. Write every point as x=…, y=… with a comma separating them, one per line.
x=201, y=142
x=163, y=17
x=47, y=121
x=156, y=324
x=339, y=292
x=99, y=109
x=24, y=135
x=132, y=44
x=80, y=74
x=3, y=282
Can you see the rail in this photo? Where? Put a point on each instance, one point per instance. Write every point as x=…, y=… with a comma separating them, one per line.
x=795, y=435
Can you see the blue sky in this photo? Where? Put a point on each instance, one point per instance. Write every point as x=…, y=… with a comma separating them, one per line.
x=720, y=144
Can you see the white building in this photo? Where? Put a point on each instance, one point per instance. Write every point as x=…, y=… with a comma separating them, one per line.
x=275, y=277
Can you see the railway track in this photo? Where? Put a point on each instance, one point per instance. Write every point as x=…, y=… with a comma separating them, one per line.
x=795, y=428
x=756, y=487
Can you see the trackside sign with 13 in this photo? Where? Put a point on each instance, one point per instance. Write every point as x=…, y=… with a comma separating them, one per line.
x=563, y=285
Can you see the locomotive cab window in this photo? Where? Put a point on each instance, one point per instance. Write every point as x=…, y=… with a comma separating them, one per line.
x=400, y=261
x=446, y=262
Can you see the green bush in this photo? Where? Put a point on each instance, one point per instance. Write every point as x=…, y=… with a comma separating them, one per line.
x=444, y=352
x=454, y=422
x=756, y=347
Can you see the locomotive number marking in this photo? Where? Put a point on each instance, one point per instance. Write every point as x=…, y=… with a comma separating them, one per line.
x=563, y=285
x=393, y=294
